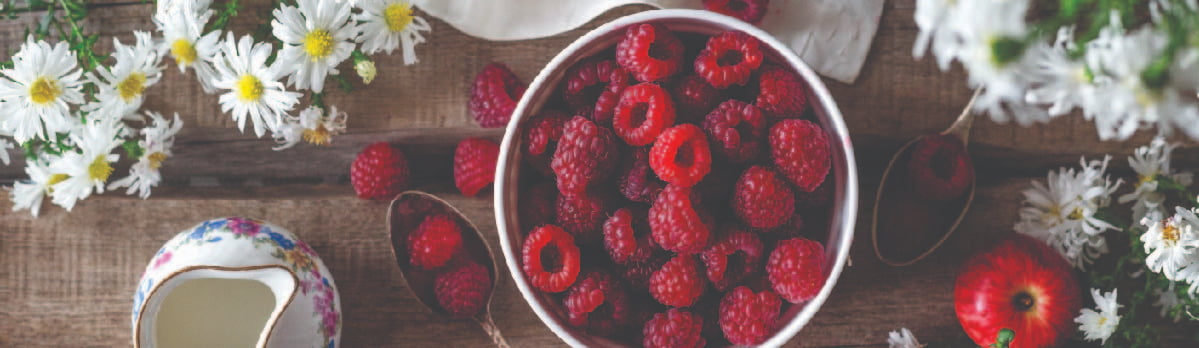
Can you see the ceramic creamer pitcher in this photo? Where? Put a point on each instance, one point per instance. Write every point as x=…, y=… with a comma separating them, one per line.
x=236, y=282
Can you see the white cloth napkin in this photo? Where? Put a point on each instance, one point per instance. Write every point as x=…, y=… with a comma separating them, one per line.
x=833, y=36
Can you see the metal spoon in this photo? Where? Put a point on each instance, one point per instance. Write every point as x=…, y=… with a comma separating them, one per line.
x=407, y=211
x=961, y=129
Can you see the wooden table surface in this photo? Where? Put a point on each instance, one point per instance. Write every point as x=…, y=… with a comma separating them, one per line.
x=67, y=279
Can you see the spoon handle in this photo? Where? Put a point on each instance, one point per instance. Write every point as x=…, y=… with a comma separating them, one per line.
x=961, y=126
x=489, y=327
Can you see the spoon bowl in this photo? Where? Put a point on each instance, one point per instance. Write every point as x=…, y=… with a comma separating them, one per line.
x=405, y=214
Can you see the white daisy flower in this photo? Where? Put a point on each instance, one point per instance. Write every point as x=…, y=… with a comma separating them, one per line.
x=1166, y=300
x=317, y=36
x=1170, y=243
x=28, y=193
x=313, y=125
x=89, y=168
x=4, y=146
x=191, y=6
x=388, y=24
x=38, y=91
x=182, y=28
x=903, y=339
x=1151, y=162
x=156, y=145
x=1099, y=325
x=1062, y=211
x=253, y=88
x=1055, y=79
x=122, y=87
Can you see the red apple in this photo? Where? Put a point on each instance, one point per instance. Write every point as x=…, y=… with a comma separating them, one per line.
x=1022, y=284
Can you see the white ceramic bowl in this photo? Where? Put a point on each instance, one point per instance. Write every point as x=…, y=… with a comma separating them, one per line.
x=843, y=212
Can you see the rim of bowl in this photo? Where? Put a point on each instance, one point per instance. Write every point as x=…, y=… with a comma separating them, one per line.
x=844, y=168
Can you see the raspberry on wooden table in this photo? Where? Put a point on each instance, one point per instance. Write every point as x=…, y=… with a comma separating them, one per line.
x=730, y=58
x=650, y=52
x=474, y=165
x=434, y=242
x=380, y=172
x=494, y=94
x=550, y=259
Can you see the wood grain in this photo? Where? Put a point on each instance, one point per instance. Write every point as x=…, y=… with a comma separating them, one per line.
x=67, y=279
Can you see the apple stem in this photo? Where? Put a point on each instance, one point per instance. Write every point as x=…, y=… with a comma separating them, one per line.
x=1004, y=338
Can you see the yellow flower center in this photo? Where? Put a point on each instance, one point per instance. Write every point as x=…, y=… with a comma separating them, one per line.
x=99, y=169
x=1075, y=215
x=54, y=180
x=1169, y=232
x=44, y=91
x=1144, y=179
x=156, y=159
x=398, y=16
x=318, y=136
x=249, y=88
x=318, y=43
x=183, y=51
x=132, y=87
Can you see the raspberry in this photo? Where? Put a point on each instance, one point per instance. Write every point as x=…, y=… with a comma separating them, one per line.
x=736, y=130
x=801, y=151
x=637, y=274
x=637, y=181
x=538, y=205
x=761, y=199
x=729, y=58
x=693, y=98
x=680, y=156
x=585, y=155
x=550, y=259
x=594, y=87
x=939, y=168
x=541, y=137
x=674, y=329
x=380, y=172
x=645, y=110
x=678, y=283
x=494, y=94
x=474, y=165
x=650, y=52
x=434, y=242
x=674, y=223
x=463, y=291
x=781, y=93
x=748, y=318
x=750, y=11
x=627, y=237
x=583, y=216
x=796, y=269
x=733, y=259
x=597, y=302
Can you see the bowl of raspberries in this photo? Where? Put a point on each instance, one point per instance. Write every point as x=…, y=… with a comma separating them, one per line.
x=676, y=178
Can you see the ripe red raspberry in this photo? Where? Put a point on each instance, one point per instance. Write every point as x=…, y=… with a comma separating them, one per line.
x=781, y=93
x=494, y=94
x=761, y=199
x=463, y=290
x=637, y=181
x=541, y=136
x=650, y=52
x=627, y=237
x=550, y=259
x=680, y=156
x=748, y=318
x=939, y=168
x=586, y=155
x=474, y=165
x=678, y=283
x=583, y=216
x=380, y=172
x=538, y=205
x=736, y=130
x=796, y=269
x=597, y=302
x=593, y=87
x=675, y=328
x=750, y=11
x=729, y=58
x=645, y=110
x=434, y=242
x=801, y=151
x=733, y=259
x=693, y=98
x=674, y=222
